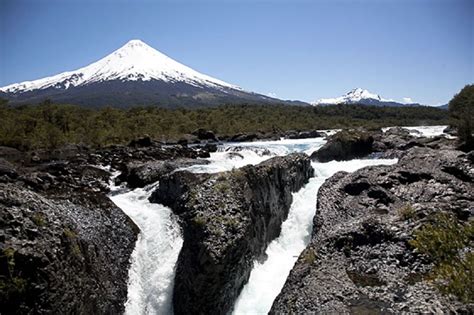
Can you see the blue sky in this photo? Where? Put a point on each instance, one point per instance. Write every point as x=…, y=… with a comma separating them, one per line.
x=422, y=49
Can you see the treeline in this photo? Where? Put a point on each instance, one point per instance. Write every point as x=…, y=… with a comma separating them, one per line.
x=50, y=125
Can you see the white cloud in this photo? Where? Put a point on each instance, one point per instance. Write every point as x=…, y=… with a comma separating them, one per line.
x=407, y=100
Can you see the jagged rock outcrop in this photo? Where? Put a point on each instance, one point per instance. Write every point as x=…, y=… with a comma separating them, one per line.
x=228, y=219
x=361, y=258
x=345, y=145
x=62, y=252
x=140, y=174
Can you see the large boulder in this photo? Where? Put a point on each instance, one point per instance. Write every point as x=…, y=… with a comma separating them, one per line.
x=140, y=174
x=362, y=257
x=203, y=134
x=345, y=145
x=244, y=137
x=144, y=141
x=450, y=130
x=228, y=219
x=11, y=154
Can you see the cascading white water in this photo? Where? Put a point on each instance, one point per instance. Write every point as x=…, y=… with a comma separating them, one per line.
x=151, y=275
x=267, y=278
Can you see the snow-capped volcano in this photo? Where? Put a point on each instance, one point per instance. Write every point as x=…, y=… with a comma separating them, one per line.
x=135, y=74
x=132, y=62
x=361, y=96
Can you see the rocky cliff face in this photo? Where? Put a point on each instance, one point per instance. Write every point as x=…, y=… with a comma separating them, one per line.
x=362, y=259
x=63, y=256
x=228, y=219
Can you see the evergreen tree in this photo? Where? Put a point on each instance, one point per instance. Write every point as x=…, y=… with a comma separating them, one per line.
x=461, y=108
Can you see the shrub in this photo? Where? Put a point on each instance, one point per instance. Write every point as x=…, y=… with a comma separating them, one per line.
x=443, y=241
x=309, y=257
x=406, y=212
x=38, y=219
x=456, y=277
x=199, y=220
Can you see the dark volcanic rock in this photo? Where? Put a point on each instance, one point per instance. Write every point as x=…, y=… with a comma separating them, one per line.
x=228, y=219
x=140, y=174
x=7, y=170
x=450, y=130
x=141, y=142
x=304, y=134
x=11, y=154
x=204, y=134
x=395, y=142
x=244, y=137
x=359, y=259
x=210, y=147
x=345, y=145
x=66, y=256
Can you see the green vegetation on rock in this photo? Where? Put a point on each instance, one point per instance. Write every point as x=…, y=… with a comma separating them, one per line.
x=445, y=242
x=11, y=285
x=407, y=212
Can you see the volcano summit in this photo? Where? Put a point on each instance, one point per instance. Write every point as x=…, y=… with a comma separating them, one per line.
x=135, y=74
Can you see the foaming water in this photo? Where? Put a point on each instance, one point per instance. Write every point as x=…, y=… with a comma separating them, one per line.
x=236, y=155
x=425, y=131
x=267, y=278
x=151, y=274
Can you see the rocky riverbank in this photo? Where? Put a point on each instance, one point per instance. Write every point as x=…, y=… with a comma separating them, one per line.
x=65, y=246
x=374, y=243
x=228, y=219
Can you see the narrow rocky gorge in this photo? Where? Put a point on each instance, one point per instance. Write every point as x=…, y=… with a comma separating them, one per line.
x=228, y=219
x=361, y=258
x=65, y=246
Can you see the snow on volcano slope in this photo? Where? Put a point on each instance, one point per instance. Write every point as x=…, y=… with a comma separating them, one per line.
x=132, y=62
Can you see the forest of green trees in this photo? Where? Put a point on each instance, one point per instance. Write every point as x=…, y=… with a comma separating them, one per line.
x=50, y=125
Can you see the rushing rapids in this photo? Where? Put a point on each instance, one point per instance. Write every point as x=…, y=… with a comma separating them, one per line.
x=151, y=276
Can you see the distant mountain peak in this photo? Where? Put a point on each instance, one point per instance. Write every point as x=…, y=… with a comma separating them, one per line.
x=351, y=97
x=364, y=97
